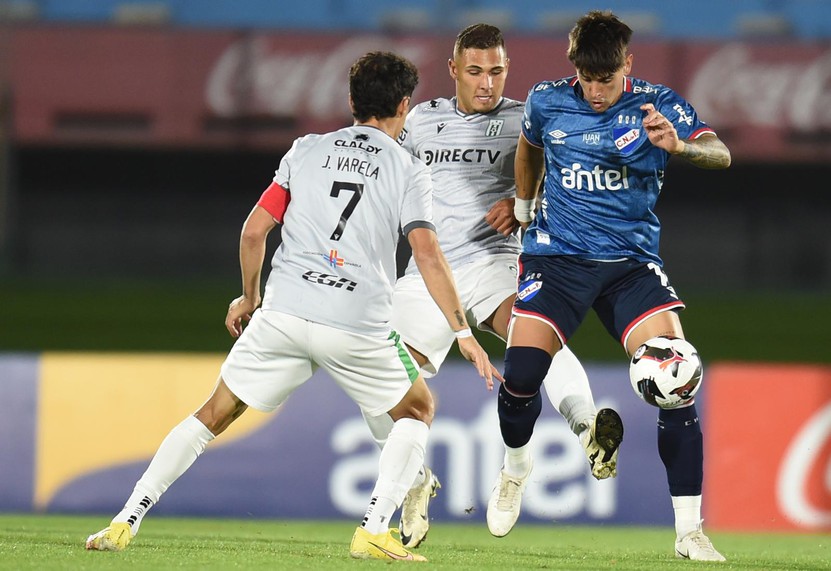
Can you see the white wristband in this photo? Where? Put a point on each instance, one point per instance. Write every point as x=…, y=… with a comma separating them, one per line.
x=524, y=209
x=463, y=333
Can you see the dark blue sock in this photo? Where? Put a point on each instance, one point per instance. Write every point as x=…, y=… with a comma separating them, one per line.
x=681, y=446
x=519, y=403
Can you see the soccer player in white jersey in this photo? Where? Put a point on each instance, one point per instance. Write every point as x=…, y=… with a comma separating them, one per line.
x=469, y=142
x=341, y=198
x=601, y=140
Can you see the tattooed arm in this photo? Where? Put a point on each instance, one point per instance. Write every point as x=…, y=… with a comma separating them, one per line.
x=707, y=152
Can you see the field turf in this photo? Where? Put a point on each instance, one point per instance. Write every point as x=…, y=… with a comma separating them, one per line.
x=57, y=542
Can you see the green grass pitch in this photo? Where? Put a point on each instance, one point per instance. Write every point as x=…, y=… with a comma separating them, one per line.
x=57, y=542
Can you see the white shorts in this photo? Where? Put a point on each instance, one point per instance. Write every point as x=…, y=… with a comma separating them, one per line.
x=482, y=285
x=278, y=352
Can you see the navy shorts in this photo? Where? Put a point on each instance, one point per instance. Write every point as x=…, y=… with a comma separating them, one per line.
x=560, y=290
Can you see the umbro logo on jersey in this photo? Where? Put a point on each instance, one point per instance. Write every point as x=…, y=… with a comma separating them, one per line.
x=557, y=137
x=440, y=126
x=362, y=137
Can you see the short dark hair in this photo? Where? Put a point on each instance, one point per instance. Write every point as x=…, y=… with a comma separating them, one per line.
x=480, y=37
x=598, y=43
x=378, y=81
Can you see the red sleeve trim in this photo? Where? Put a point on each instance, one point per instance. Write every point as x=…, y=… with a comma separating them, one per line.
x=275, y=200
x=702, y=131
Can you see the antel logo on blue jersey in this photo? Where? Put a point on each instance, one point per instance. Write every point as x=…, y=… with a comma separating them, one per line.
x=626, y=138
x=528, y=289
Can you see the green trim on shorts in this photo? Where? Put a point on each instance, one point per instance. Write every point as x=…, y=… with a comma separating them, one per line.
x=404, y=355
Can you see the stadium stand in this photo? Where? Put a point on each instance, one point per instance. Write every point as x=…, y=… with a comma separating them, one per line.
x=706, y=19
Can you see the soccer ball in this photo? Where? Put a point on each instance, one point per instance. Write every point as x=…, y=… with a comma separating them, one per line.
x=666, y=372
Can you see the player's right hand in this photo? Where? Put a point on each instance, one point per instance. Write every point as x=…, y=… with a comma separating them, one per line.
x=239, y=309
x=501, y=217
x=473, y=352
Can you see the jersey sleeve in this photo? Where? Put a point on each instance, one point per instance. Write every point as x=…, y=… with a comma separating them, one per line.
x=417, y=207
x=531, y=118
x=405, y=139
x=282, y=176
x=682, y=114
x=275, y=200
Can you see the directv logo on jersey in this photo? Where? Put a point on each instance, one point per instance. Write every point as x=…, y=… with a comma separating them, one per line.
x=430, y=156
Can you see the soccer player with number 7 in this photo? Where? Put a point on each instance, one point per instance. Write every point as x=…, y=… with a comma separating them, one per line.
x=341, y=198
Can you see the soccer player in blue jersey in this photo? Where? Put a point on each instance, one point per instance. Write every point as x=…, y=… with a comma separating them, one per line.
x=599, y=142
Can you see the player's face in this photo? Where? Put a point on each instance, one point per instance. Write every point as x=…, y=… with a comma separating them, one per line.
x=480, y=78
x=603, y=92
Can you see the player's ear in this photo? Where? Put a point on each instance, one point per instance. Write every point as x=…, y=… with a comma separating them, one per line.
x=627, y=65
x=451, y=67
x=403, y=107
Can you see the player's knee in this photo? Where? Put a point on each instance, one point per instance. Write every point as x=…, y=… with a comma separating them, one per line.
x=417, y=404
x=525, y=369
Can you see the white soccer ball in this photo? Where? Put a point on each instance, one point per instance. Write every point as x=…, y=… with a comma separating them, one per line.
x=666, y=372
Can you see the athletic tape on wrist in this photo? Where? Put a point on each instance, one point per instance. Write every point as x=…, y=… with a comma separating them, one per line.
x=524, y=209
x=463, y=333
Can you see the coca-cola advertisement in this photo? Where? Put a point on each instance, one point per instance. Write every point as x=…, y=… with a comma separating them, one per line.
x=221, y=88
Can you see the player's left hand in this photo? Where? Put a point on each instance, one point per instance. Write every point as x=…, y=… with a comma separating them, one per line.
x=471, y=350
x=501, y=217
x=660, y=130
x=239, y=309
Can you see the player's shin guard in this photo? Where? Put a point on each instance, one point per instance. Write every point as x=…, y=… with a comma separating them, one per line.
x=519, y=403
x=681, y=446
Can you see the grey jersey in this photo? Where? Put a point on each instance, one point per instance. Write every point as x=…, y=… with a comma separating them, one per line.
x=471, y=158
x=351, y=191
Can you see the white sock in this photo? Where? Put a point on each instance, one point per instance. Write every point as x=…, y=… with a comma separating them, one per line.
x=380, y=427
x=687, y=514
x=517, y=461
x=567, y=387
x=401, y=458
x=177, y=452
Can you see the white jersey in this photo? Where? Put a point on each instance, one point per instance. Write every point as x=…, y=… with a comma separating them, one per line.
x=472, y=162
x=351, y=192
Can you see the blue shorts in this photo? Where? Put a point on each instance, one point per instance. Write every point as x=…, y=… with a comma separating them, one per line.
x=560, y=290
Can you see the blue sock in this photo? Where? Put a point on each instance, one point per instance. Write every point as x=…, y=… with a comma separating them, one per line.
x=681, y=446
x=525, y=368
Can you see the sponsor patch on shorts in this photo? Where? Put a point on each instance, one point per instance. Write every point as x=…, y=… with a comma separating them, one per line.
x=528, y=289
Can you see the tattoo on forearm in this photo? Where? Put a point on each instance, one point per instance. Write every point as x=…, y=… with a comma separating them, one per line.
x=706, y=152
x=460, y=318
